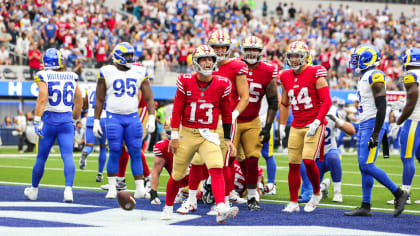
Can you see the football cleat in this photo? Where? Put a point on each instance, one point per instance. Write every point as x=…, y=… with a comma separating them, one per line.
x=99, y=178
x=178, y=198
x=31, y=193
x=359, y=211
x=338, y=197
x=82, y=161
x=187, y=206
x=147, y=183
x=291, y=207
x=235, y=198
x=253, y=204
x=141, y=193
x=121, y=185
x=313, y=203
x=155, y=201
x=400, y=203
x=68, y=195
x=408, y=202
x=167, y=213
x=213, y=211
x=112, y=192
x=225, y=212
x=325, y=185
x=270, y=189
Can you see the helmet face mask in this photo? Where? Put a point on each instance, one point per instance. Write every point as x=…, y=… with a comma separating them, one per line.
x=364, y=57
x=252, y=50
x=218, y=41
x=123, y=54
x=298, y=52
x=203, y=52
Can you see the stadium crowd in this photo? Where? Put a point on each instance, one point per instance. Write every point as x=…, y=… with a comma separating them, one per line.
x=165, y=32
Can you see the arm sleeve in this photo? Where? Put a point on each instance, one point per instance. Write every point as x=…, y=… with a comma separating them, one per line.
x=179, y=104
x=324, y=95
x=380, y=103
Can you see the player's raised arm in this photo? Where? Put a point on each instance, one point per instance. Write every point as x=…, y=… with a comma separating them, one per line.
x=78, y=103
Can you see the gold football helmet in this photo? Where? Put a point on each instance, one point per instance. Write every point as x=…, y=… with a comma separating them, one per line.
x=201, y=52
x=220, y=38
x=252, y=42
x=300, y=48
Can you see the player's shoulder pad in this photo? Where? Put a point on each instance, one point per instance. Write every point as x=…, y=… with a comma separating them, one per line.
x=40, y=76
x=319, y=71
x=376, y=76
x=410, y=77
x=105, y=70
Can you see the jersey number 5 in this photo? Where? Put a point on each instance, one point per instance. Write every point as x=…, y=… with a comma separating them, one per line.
x=252, y=87
x=66, y=96
x=202, y=106
x=302, y=98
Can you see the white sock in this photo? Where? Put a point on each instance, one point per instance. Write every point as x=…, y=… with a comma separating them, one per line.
x=220, y=205
x=67, y=188
x=112, y=181
x=139, y=183
x=226, y=199
x=192, y=194
x=252, y=192
x=337, y=187
x=120, y=179
x=406, y=188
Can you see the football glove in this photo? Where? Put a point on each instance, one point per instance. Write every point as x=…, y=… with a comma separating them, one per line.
x=332, y=114
x=150, y=126
x=282, y=131
x=265, y=134
x=97, y=130
x=373, y=141
x=312, y=128
x=38, y=130
x=394, y=131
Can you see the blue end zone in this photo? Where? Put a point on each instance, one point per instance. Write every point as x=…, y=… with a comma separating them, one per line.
x=270, y=214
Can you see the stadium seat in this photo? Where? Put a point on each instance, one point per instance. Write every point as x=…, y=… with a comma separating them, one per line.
x=26, y=74
x=9, y=74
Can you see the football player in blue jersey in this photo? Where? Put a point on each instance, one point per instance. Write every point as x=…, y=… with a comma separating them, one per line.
x=372, y=109
x=120, y=84
x=89, y=103
x=410, y=116
x=59, y=103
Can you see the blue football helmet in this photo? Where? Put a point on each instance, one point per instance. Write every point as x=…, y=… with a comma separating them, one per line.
x=365, y=56
x=123, y=54
x=411, y=57
x=53, y=59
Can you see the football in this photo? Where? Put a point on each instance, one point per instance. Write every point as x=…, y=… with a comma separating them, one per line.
x=126, y=200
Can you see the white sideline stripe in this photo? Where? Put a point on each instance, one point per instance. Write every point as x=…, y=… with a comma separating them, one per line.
x=339, y=206
x=263, y=200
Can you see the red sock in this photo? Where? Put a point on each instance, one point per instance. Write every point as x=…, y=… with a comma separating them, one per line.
x=217, y=184
x=195, y=176
x=252, y=175
x=294, y=181
x=146, y=171
x=205, y=173
x=232, y=180
x=313, y=174
x=243, y=167
x=227, y=177
x=171, y=191
x=123, y=162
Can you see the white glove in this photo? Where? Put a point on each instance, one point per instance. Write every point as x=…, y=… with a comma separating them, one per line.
x=397, y=105
x=150, y=126
x=235, y=115
x=394, y=131
x=282, y=131
x=312, y=127
x=97, y=130
x=332, y=114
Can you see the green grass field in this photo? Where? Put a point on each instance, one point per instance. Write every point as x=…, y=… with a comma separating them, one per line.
x=16, y=169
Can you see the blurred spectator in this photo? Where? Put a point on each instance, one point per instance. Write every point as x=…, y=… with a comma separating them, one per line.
x=34, y=56
x=20, y=128
x=30, y=134
x=22, y=48
x=4, y=56
x=5, y=37
x=7, y=122
x=49, y=33
x=149, y=64
x=79, y=140
x=101, y=53
x=78, y=69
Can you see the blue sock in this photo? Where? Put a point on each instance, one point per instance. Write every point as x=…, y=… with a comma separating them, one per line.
x=88, y=149
x=306, y=183
x=408, y=170
x=136, y=163
x=101, y=159
x=334, y=164
x=113, y=162
x=271, y=169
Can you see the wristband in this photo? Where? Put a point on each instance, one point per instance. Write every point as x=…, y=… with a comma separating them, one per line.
x=174, y=135
x=340, y=122
x=235, y=115
x=37, y=119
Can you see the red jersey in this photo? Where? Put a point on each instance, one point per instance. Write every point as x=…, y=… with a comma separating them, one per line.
x=240, y=181
x=303, y=95
x=160, y=149
x=258, y=79
x=230, y=70
x=200, y=107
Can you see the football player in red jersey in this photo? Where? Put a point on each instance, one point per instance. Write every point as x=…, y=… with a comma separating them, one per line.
x=199, y=100
x=235, y=70
x=305, y=88
x=261, y=78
